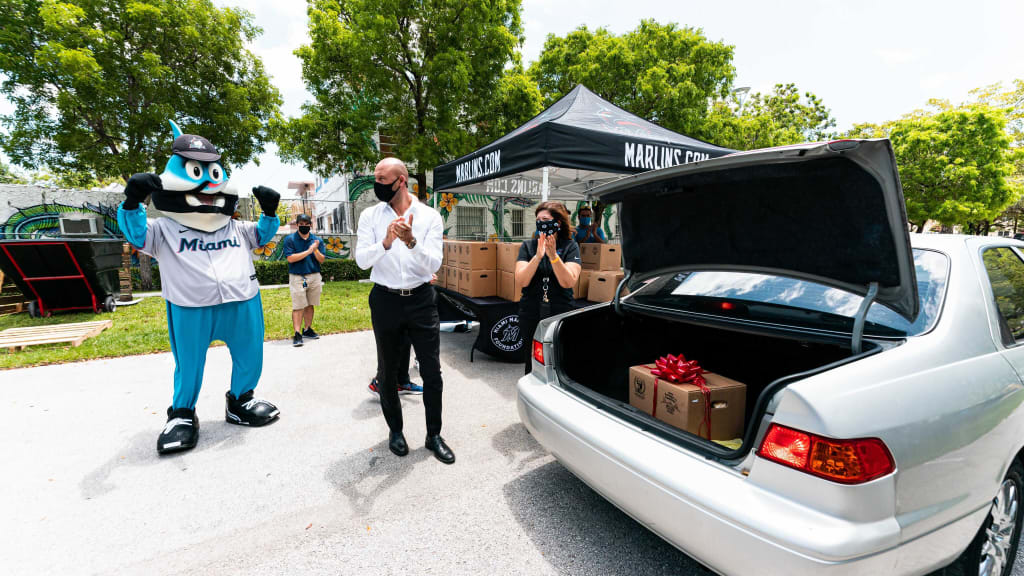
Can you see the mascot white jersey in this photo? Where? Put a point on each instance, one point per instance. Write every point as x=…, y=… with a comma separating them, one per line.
x=206, y=276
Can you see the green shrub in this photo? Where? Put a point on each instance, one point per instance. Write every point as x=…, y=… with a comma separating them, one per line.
x=338, y=270
x=271, y=272
x=276, y=272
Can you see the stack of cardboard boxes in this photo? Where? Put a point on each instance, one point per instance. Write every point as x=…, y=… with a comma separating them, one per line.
x=479, y=269
x=508, y=287
x=601, y=274
x=469, y=268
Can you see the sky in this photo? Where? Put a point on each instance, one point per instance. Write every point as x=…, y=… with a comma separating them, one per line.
x=868, y=60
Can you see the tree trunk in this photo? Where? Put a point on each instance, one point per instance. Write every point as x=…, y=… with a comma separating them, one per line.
x=421, y=177
x=145, y=265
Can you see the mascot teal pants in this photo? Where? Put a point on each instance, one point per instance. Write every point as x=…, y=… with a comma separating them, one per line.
x=238, y=324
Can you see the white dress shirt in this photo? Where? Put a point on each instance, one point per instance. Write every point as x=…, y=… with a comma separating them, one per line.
x=400, y=267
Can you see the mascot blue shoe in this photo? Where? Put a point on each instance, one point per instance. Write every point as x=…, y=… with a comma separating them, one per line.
x=207, y=278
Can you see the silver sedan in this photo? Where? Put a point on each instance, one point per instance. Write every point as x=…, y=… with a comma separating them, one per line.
x=883, y=427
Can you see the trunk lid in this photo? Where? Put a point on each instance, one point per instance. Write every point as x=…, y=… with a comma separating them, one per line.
x=831, y=213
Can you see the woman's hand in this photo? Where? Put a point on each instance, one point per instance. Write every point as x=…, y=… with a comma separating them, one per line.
x=541, y=245
x=549, y=243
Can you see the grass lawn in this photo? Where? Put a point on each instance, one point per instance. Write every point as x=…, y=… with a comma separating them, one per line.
x=142, y=328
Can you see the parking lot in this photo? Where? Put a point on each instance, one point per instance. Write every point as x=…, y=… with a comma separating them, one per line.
x=315, y=493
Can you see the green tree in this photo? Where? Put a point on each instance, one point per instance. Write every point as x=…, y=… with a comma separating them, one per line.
x=9, y=176
x=765, y=120
x=662, y=72
x=425, y=74
x=93, y=82
x=955, y=163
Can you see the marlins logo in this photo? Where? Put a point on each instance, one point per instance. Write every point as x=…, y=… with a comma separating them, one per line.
x=196, y=144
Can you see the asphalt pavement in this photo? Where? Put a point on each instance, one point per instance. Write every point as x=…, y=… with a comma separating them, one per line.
x=84, y=491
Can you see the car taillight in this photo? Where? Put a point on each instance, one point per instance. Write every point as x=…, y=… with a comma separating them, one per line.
x=843, y=461
x=538, y=351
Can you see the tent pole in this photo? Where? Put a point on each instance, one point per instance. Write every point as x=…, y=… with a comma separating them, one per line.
x=501, y=220
x=544, y=186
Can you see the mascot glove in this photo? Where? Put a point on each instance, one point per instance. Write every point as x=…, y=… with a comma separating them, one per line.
x=268, y=199
x=139, y=187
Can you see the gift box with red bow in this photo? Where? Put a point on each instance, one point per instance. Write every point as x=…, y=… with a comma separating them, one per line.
x=679, y=392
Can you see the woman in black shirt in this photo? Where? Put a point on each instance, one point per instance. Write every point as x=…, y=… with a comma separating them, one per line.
x=548, y=267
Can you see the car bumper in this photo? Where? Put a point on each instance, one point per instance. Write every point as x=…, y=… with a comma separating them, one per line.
x=713, y=513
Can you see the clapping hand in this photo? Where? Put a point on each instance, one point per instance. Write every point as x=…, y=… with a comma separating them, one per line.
x=314, y=245
x=549, y=246
x=404, y=229
x=541, y=245
x=392, y=234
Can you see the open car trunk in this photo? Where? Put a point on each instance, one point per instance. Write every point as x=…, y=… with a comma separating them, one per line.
x=599, y=369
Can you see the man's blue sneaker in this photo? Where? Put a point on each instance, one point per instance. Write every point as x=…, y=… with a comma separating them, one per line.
x=406, y=388
x=410, y=388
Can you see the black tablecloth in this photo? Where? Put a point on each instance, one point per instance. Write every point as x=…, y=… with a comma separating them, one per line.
x=499, y=334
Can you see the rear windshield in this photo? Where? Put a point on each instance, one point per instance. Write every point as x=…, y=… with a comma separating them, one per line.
x=800, y=303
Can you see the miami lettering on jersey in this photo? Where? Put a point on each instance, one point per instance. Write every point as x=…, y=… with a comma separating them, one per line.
x=195, y=244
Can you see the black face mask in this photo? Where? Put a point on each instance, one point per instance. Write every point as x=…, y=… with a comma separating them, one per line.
x=303, y=230
x=548, y=226
x=384, y=192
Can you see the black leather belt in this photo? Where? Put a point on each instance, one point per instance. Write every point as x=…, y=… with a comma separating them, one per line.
x=404, y=291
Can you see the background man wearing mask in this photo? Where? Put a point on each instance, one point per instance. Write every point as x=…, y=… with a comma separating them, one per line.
x=304, y=252
x=588, y=231
x=400, y=238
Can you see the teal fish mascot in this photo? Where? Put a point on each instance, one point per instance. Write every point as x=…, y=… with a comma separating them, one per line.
x=207, y=278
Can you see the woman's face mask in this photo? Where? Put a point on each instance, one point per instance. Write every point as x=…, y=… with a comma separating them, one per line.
x=585, y=220
x=548, y=226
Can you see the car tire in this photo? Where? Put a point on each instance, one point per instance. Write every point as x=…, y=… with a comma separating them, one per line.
x=989, y=548
x=109, y=304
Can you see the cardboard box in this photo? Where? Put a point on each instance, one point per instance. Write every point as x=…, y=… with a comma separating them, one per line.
x=508, y=253
x=682, y=405
x=508, y=287
x=452, y=281
x=442, y=277
x=582, y=287
x=478, y=283
x=601, y=256
x=450, y=253
x=603, y=285
x=478, y=255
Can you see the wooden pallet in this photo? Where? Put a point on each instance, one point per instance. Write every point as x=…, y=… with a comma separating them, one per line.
x=75, y=333
x=14, y=306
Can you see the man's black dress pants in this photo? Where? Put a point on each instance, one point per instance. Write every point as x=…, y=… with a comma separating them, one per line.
x=393, y=316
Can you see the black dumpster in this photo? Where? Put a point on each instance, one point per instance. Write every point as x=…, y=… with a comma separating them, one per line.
x=63, y=273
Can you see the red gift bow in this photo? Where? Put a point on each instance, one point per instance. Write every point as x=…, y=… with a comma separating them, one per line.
x=678, y=370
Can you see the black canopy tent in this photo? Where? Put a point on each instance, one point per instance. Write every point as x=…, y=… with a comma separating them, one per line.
x=577, y=144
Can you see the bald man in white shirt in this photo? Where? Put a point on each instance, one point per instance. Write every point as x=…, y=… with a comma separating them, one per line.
x=400, y=239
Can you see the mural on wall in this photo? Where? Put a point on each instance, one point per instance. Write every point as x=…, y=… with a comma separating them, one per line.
x=337, y=248
x=40, y=220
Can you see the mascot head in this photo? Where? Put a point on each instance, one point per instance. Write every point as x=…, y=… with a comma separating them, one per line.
x=194, y=185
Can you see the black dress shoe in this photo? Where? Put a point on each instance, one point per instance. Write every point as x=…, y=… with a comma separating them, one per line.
x=396, y=443
x=441, y=450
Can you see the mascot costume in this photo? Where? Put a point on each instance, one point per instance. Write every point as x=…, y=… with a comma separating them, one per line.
x=207, y=279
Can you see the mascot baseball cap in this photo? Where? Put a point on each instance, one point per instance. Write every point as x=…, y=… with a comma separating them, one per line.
x=303, y=218
x=195, y=148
